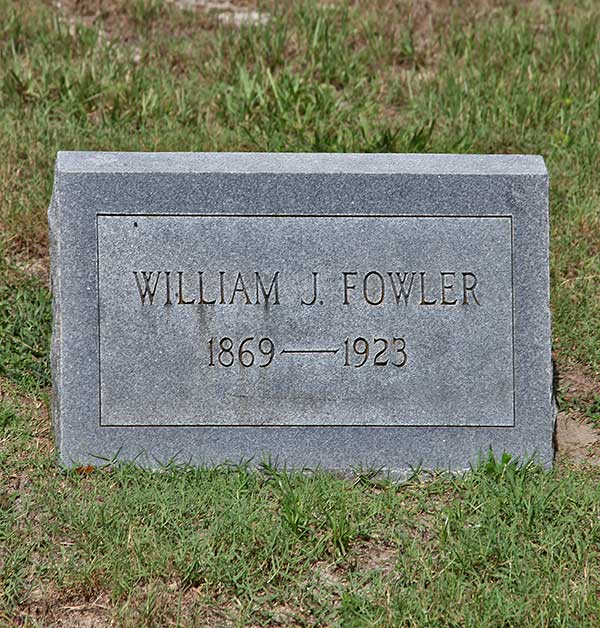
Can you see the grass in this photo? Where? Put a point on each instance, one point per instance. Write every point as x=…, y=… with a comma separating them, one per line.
x=505, y=545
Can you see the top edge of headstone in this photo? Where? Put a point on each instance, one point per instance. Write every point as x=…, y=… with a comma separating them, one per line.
x=299, y=163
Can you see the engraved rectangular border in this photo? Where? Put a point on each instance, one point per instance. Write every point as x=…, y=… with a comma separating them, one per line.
x=305, y=426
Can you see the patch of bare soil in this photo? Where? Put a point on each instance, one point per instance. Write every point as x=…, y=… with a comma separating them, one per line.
x=373, y=556
x=117, y=20
x=576, y=439
x=52, y=609
x=365, y=556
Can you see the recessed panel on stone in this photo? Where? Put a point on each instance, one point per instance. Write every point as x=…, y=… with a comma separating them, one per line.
x=300, y=320
x=322, y=310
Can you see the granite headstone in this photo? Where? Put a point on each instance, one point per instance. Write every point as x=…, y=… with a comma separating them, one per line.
x=325, y=310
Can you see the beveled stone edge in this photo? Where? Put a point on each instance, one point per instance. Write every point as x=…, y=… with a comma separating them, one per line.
x=300, y=163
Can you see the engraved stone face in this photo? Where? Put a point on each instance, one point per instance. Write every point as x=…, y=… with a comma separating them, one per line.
x=301, y=320
x=330, y=310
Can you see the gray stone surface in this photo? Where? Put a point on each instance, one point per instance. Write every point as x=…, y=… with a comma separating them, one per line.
x=186, y=324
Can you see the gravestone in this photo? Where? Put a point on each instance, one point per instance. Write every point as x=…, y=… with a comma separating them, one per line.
x=329, y=310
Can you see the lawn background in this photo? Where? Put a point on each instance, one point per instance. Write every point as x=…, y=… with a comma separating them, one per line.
x=506, y=545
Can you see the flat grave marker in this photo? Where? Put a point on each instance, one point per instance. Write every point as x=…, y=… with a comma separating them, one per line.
x=326, y=310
